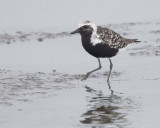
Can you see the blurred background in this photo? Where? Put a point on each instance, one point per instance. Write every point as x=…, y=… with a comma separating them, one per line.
x=67, y=13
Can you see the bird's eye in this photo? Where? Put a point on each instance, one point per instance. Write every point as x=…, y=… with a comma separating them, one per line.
x=85, y=27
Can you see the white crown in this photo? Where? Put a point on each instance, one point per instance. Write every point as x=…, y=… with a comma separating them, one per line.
x=86, y=22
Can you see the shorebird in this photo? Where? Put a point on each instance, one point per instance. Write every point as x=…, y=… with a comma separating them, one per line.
x=101, y=42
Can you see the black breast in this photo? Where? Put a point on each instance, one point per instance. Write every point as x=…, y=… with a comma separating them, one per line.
x=99, y=50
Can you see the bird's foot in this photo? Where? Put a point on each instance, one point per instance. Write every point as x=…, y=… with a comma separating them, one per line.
x=86, y=76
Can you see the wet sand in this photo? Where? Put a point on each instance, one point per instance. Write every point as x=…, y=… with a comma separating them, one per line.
x=45, y=89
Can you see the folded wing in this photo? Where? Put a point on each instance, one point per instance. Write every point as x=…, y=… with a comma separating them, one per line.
x=113, y=39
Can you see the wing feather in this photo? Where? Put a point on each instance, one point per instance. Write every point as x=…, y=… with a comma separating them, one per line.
x=113, y=39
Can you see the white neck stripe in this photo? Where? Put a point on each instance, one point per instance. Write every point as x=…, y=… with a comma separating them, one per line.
x=94, y=37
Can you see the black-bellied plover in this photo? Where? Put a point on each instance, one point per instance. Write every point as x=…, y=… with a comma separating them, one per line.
x=101, y=42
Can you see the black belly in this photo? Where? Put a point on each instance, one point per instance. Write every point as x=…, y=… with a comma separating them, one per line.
x=100, y=50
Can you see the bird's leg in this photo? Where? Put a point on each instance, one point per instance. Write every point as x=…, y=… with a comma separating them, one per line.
x=86, y=76
x=111, y=66
x=109, y=86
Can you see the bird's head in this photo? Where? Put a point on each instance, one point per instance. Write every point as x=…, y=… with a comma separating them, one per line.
x=85, y=28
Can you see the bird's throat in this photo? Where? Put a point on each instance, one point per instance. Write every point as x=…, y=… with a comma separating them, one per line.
x=86, y=40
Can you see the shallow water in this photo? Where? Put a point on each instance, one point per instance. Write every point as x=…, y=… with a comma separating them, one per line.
x=40, y=82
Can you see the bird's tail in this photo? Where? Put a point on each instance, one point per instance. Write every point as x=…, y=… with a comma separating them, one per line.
x=130, y=41
x=135, y=40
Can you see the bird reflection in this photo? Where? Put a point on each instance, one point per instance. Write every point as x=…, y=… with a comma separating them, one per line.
x=103, y=110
